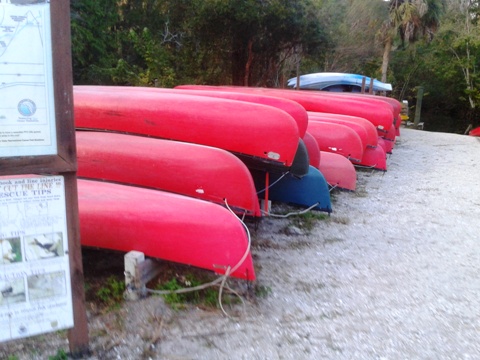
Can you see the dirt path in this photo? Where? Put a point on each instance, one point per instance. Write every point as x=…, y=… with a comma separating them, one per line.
x=393, y=274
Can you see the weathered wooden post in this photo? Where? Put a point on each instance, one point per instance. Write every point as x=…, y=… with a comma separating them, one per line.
x=370, y=89
x=418, y=107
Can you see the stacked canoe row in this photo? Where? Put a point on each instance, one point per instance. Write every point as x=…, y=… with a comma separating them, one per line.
x=168, y=171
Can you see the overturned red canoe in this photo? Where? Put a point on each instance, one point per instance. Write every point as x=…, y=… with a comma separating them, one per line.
x=387, y=145
x=337, y=138
x=368, y=135
x=198, y=171
x=475, y=132
x=390, y=135
x=374, y=158
x=313, y=149
x=295, y=110
x=263, y=135
x=163, y=225
x=379, y=113
x=395, y=104
x=338, y=171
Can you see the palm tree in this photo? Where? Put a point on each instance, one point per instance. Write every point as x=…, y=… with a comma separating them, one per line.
x=411, y=20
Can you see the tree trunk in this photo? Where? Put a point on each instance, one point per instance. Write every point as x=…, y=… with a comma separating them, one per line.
x=248, y=64
x=386, y=58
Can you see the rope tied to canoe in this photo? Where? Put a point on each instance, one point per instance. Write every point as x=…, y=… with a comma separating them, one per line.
x=276, y=181
x=221, y=282
x=293, y=212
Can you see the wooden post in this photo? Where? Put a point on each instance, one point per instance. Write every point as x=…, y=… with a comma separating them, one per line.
x=418, y=106
x=78, y=335
x=364, y=80
x=63, y=79
x=297, y=84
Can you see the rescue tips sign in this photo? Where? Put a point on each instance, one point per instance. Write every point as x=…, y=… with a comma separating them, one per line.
x=35, y=289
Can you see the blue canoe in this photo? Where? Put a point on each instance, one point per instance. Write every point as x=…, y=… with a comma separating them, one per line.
x=340, y=82
x=310, y=190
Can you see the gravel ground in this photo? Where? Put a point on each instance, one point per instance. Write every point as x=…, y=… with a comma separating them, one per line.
x=392, y=274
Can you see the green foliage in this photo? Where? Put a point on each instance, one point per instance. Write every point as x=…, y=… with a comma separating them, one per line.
x=218, y=41
x=60, y=355
x=262, y=291
x=308, y=220
x=447, y=69
x=94, y=42
x=207, y=297
x=111, y=294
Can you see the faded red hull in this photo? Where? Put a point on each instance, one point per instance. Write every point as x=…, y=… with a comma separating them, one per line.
x=396, y=105
x=387, y=145
x=379, y=113
x=337, y=138
x=368, y=135
x=338, y=171
x=162, y=225
x=390, y=135
x=198, y=171
x=313, y=150
x=475, y=132
x=259, y=132
x=295, y=110
x=375, y=158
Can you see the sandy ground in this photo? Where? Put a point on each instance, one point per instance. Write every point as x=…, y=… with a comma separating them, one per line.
x=393, y=274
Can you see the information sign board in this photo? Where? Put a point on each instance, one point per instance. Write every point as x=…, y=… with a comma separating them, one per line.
x=27, y=108
x=35, y=291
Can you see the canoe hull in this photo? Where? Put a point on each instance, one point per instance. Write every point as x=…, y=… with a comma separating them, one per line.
x=304, y=192
x=162, y=225
x=330, y=81
x=193, y=170
x=296, y=111
x=363, y=127
x=475, y=132
x=338, y=139
x=266, y=135
x=313, y=149
x=374, y=158
x=338, y=171
x=379, y=113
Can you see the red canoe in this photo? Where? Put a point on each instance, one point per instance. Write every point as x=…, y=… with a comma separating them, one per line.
x=313, y=149
x=397, y=108
x=475, y=132
x=266, y=136
x=163, y=225
x=295, y=110
x=390, y=138
x=374, y=158
x=371, y=100
x=368, y=134
x=198, y=171
x=361, y=132
x=337, y=138
x=379, y=113
x=338, y=171
x=396, y=105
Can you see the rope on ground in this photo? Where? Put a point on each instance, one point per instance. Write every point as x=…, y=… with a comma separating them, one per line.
x=292, y=213
x=221, y=282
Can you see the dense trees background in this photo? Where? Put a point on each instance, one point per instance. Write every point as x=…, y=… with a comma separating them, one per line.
x=412, y=43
